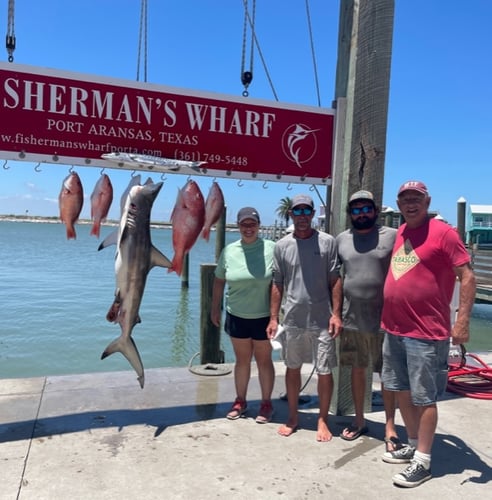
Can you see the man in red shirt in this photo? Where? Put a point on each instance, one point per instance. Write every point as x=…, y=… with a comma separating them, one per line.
x=427, y=258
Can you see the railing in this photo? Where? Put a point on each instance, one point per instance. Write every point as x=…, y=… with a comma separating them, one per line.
x=482, y=267
x=481, y=225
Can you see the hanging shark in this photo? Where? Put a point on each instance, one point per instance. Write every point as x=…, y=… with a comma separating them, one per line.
x=135, y=257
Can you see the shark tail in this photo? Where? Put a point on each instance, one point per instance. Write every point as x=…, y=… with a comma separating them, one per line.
x=128, y=348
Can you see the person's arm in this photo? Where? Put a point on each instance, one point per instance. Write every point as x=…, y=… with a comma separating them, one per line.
x=275, y=302
x=217, y=294
x=335, y=325
x=461, y=328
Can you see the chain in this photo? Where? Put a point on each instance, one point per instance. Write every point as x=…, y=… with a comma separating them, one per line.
x=247, y=75
x=10, y=38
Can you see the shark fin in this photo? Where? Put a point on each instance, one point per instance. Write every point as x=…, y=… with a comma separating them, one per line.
x=157, y=258
x=111, y=239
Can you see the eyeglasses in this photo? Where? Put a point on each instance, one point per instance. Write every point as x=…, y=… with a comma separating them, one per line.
x=361, y=210
x=302, y=211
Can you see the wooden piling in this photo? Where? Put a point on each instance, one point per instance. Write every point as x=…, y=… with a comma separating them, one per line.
x=209, y=333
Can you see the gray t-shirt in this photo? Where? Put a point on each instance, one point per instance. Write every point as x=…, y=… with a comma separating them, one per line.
x=305, y=268
x=365, y=260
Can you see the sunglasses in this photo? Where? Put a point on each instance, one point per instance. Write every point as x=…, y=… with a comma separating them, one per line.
x=361, y=210
x=302, y=211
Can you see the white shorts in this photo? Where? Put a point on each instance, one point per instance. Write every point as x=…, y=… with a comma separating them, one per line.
x=308, y=346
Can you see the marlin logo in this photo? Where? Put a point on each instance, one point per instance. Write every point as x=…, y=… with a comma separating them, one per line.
x=299, y=143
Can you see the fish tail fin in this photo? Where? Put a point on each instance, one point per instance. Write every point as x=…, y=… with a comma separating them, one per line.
x=96, y=228
x=206, y=233
x=71, y=235
x=177, y=265
x=128, y=348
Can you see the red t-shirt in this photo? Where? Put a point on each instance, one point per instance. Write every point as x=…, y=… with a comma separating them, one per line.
x=420, y=281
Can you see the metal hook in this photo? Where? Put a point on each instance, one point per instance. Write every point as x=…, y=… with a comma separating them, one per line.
x=265, y=185
x=70, y=170
x=163, y=176
x=102, y=170
x=240, y=183
x=289, y=187
x=134, y=173
x=312, y=187
x=5, y=165
x=36, y=168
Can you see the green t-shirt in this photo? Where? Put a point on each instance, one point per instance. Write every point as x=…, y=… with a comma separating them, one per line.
x=247, y=269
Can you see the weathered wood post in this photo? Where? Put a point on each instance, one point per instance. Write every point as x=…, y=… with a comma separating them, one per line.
x=362, y=90
x=461, y=218
x=220, y=234
x=209, y=333
x=185, y=275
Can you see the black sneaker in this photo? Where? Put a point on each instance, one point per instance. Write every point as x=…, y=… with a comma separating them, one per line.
x=414, y=475
x=402, y=456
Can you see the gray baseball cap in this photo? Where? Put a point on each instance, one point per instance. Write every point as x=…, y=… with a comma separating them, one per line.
x=302, y=199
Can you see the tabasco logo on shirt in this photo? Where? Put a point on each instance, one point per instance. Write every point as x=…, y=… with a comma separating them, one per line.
x=403, y=260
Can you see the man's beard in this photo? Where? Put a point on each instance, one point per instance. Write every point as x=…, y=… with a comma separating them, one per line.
x=364, y=223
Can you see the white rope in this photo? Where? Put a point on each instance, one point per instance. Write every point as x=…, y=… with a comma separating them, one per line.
x=313, y=52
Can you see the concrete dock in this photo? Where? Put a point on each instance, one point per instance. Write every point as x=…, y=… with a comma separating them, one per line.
x=99, y=436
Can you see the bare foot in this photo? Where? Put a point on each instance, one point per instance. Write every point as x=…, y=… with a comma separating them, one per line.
x=323, y=434
x=287, y=429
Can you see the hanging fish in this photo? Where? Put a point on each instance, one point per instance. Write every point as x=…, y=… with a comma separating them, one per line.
x=101, y=199
x=187, y=220
x=135, y=257
x=70, y=200
x=214, y=206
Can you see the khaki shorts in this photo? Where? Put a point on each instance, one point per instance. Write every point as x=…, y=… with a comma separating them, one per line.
x=314, y=347
x=359, y=349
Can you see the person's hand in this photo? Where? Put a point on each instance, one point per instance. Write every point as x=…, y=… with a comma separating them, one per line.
x=460, y=334
x=335, y=326
x=272, y=328
x=215, y=317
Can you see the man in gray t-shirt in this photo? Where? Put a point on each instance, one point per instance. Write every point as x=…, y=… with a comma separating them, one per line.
x=307, y=282
x=364, y=252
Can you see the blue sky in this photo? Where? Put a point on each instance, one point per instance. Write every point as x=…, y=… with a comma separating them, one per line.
x=440, y=109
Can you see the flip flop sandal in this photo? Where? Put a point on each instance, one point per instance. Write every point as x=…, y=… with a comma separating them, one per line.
x=394, y=443
x=355, y=431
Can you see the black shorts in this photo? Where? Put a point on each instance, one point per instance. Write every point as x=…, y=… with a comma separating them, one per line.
x=242, y=328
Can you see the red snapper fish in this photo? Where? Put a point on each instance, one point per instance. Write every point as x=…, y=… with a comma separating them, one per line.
x=187, y=220
x=101, y=199
x=214, y=206
x=71, y=199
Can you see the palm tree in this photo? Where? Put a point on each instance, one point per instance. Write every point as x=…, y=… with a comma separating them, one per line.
x=283, y=209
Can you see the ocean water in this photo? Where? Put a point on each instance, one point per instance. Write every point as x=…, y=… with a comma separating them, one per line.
x=55, y=294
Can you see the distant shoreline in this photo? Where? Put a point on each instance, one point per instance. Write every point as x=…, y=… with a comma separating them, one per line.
x=56, y=220
x=110, y=222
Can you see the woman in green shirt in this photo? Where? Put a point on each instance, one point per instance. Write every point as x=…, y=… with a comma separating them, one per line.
x=246, y=266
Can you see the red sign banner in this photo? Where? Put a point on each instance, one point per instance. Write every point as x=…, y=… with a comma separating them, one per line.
x=68, y=118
